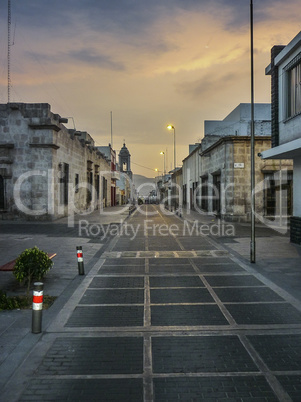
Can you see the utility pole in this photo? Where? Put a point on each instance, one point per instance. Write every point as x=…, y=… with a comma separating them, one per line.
x=8, y=50
x=252, y=245
x=112, y=130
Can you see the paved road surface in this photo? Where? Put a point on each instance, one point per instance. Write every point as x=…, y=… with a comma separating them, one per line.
x=165, y=314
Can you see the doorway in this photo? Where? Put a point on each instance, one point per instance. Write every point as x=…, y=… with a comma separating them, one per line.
x=2, y=203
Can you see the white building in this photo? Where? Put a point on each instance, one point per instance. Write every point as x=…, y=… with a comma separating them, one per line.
x=285, y=71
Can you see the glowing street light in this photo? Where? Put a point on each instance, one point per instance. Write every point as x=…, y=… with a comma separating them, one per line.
x=163, y=153
x=170, y=127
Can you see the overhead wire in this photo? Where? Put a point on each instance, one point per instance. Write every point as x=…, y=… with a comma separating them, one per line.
x=145, y=167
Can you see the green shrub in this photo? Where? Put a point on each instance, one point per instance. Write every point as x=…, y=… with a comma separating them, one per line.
x=7, y=303
x=22, y=302
x=31, y=265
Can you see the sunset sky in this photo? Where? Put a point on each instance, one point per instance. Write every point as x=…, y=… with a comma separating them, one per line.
x=150, y=62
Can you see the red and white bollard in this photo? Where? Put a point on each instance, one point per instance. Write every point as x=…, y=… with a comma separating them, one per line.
x=37, y=307
x=80, y=260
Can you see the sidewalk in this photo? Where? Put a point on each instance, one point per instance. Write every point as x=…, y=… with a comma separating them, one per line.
x=158, y=318
x=276, y=258
x=82, y=230
x=62, y=279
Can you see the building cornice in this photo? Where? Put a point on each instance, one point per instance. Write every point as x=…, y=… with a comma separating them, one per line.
x=52, y=127
x=192, y=152
x=52, y=146
x=233, y=139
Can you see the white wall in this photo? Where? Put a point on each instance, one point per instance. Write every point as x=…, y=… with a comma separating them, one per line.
x=289, y=130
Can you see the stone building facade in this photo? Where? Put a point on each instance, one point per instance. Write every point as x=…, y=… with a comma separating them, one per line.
x=46, y=170
x=225, y=180
x=110, y=155
x=216, y=173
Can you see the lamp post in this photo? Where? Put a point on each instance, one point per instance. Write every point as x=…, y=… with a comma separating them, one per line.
x=252, y=243
x=170, y=127
x=163, y=153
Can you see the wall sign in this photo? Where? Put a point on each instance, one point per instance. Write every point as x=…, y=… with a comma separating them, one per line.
x=239, y=165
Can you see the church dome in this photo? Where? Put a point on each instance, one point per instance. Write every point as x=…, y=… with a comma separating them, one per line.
x=124, y=151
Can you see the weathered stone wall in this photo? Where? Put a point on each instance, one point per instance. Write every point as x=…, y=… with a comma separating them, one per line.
x=231, y=159
x=36, y=152
x=191, y=176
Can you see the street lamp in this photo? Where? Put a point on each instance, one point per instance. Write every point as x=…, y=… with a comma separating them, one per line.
x=163, y=153
x=252, y=243
x=170, y=127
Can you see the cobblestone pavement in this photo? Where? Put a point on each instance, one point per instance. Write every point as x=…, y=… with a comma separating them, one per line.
x=167, y=315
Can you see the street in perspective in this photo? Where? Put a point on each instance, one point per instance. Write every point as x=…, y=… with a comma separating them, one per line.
x=167, y=310
x=150, y=201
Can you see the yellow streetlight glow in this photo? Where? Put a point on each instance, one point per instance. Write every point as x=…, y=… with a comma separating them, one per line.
x=163, y=153
x=171, y=127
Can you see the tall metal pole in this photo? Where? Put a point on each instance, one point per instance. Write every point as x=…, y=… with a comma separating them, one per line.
x=174, y=146
x=253, y=245
x=112, y=130
x=163, y=153
x=8, y=51
x=171, y=127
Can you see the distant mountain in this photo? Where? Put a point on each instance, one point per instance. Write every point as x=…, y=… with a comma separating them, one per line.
x=144, y=185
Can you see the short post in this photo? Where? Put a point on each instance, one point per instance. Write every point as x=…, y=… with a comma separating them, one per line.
x=80, y=261
x=37, y=307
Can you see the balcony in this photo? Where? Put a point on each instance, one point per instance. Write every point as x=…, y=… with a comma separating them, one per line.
x=115, y=175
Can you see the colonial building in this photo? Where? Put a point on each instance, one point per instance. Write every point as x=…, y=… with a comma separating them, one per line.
x=216, y=173
x=177, y=190
x=46, y=170
x=285, y=72
x=110, y=155
x=165, y=193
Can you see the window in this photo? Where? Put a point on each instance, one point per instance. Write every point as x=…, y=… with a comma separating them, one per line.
x=76, y=182
x=64, y=180
x=89, y=187
x=97, y=186
x=194, y=194
x=185, y=194
x=216, y=196
x=294, y=91
x=204, y=194
x=278, y=194
x=104, y=190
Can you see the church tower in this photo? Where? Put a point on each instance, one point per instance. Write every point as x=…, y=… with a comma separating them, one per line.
x=125, y=161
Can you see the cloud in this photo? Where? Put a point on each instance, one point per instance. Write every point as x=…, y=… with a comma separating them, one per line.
x=202, y=88
x=91, y=56
x=150, y=61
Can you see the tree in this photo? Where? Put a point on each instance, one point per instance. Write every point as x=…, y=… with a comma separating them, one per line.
x=32, y=264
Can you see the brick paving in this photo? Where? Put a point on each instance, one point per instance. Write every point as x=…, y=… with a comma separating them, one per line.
x=167, y=318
